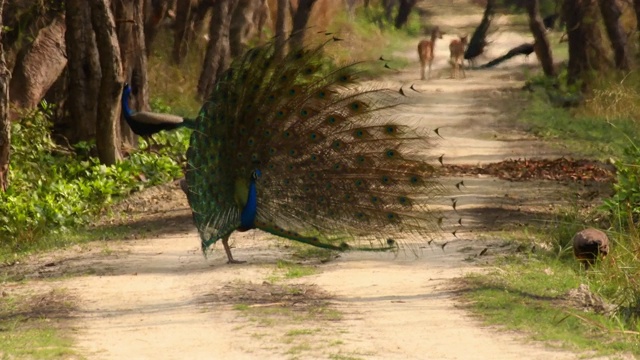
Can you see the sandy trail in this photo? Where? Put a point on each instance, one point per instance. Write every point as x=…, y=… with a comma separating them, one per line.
x=159, y=298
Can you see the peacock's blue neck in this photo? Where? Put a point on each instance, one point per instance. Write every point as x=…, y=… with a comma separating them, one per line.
x=125, y=100
x=248, y=215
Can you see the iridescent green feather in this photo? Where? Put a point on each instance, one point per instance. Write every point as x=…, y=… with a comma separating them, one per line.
x=337, y=172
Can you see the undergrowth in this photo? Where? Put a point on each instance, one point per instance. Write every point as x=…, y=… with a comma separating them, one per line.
x=530, y=292
x=53, y=188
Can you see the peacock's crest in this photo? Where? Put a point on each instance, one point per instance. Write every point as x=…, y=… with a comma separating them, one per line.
x=299, y=149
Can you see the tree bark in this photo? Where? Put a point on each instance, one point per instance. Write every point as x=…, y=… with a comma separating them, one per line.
x=403, y=12
x=5, y=123
x=38, y=66
x=241, y=26
x=541, y=47
x=111, y=83
x=585, y=41
x=217, y=58
x=181, y=32
x=281, y=41
x=134, y=58
x=300, y=20
x=388, y=8
x=84, y=70
x=611, y=15
x=155, y=11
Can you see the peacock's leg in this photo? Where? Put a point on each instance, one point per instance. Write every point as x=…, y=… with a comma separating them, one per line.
x=227, y=249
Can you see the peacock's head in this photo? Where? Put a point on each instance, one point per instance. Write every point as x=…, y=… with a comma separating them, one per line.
x=255, y=175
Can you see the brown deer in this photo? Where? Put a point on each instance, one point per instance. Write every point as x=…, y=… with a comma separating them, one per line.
x=425, y=51
x=456, y=47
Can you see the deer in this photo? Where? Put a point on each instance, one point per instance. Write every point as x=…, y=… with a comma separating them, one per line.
x=425, y=51
x=456, y=47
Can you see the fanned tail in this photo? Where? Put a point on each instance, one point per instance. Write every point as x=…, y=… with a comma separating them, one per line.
x=339, y=170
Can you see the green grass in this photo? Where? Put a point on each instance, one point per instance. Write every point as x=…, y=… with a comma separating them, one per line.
x=29, y=327
x=585, y=135
x=528, y=295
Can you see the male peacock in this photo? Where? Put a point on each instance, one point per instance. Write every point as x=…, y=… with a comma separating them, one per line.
x=144, y=123
x=296, y=149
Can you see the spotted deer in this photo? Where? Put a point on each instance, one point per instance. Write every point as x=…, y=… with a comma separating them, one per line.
x=456, y=47
x=425, y=51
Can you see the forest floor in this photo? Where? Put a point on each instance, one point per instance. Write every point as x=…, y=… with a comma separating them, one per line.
x=158, y=297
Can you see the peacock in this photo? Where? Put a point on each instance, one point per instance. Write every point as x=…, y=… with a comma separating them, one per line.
x=145, y=123
x=298, y=148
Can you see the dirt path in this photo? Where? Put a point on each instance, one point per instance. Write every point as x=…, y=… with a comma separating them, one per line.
x=159, y=298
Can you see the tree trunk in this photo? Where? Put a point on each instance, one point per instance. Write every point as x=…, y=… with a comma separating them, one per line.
x=111, y=83
x=84, y=70
x=217, y=58
x=134, y=58
x=241, y=26
x=586, y=54
x=403, y=12
x=281, y=41
x=123, y=11
x=155, y=11
x=261, y=17
x=139, y=77
x=38, y=66
x=5, y=123
x=181, y=30
x=300, y=20
x=542, y=47
x=388, y=8
x=611, y=15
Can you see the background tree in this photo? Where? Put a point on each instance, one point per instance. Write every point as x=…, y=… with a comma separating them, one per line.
x=83, y=71
x=111, y=82
x=611, y=15
x=300, y=21
x=5, y=123
x=217, y=58
x=541, y=44
x=404, y=10
x=281, y=29
x=586, y=51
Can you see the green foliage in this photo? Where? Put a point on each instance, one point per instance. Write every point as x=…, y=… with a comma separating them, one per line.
x=585, y=133
x=54, y=188
x=530, y=294
x=624, y=205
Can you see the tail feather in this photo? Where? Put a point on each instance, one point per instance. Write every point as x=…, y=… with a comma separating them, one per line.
x=145, y=123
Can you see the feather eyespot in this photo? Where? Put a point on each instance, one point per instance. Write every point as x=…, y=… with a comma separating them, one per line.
x=337, y=145
x=386, y=179
x=391, y=129
x=375, y=199
x=414, y=179
x=293, y=152
x=390, y=153
x=359, y=183
x=314, y=157
x=391, y=216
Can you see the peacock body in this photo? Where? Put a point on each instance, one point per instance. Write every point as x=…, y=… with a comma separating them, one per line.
x=298, y=149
